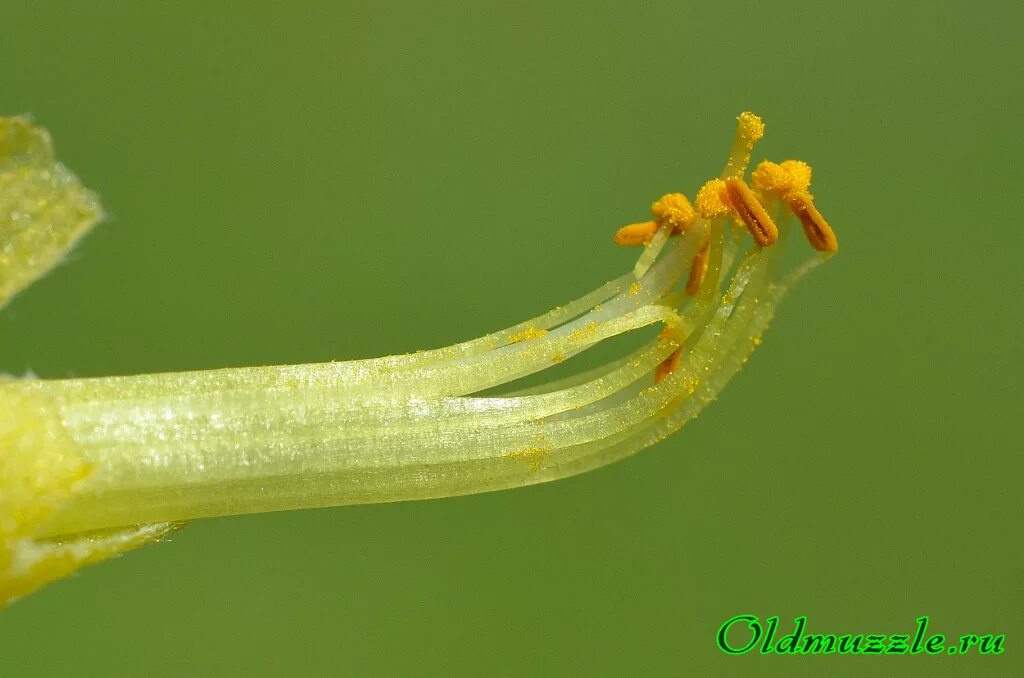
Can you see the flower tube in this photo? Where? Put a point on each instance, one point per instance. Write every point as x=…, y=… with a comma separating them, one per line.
x=91, y=467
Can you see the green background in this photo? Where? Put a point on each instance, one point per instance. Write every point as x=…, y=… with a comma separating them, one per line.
x=291, y=182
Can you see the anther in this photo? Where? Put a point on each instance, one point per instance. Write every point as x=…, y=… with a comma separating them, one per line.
x=789, y=176
x=667, y=366
x=636, y=234
x=671, y=210
x=711, y=199
x=819, y=233
x=698, y=270
x=675, y=210
x=751, y=213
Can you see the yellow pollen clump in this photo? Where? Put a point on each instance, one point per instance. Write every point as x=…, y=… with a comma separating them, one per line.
x=675, y=210
x=533, y=457
x=711, y=201
x=634, y=289
x=787, y=177
x=750, y=126
x=583, y=332
x=800, y=172
x=749, y=130
x=527, y=334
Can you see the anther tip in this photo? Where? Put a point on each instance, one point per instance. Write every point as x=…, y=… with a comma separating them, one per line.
x=711, y=201
x=782, y=178
x=675, y=210
x=636, y=234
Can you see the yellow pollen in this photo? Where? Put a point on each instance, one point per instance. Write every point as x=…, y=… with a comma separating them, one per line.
x=800, y=172
x=711, y=200
x=636, y=234
x=533, y=457
x=790, y=176
x=817, y=230
x=750, y=126
x=751, y=213
x=583, y=332
x=675, y=210
x=527, y=334
x=672, y=210
x=698, y=270
x=634, y=289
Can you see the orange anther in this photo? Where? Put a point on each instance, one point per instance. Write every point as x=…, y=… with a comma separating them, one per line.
x=818, y=232
x=636, y=234
x=671, y=210
x=667, y=366
x=698, y=270
x=751, y=213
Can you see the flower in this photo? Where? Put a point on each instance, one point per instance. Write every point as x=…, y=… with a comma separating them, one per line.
x=83, y=457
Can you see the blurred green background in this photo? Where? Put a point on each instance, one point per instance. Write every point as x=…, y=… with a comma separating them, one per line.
x=295, y=182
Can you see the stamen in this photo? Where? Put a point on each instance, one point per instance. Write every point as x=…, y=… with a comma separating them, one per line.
x=749, y=130
x=819, y=233
x=790, y=180
x=751, y=213
x=672, y=210
x=698, y=270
